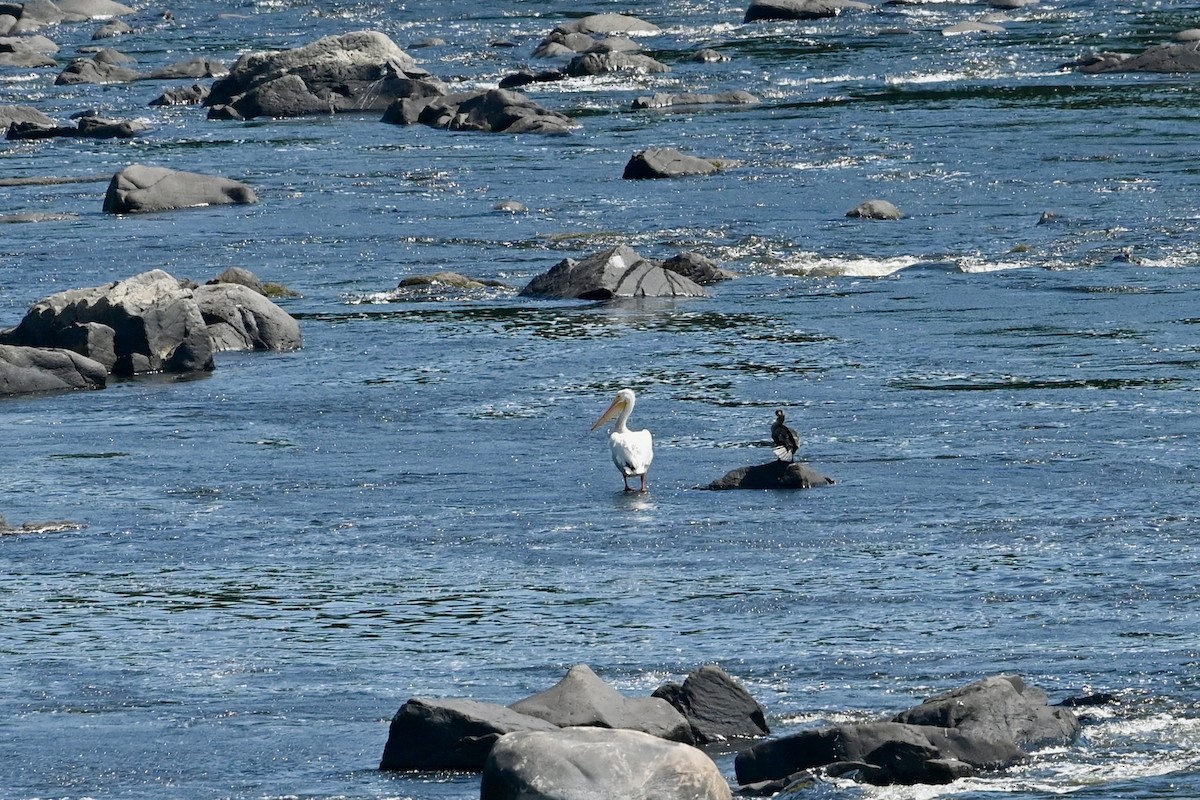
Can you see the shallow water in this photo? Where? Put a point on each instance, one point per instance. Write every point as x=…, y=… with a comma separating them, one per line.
x=276, y=556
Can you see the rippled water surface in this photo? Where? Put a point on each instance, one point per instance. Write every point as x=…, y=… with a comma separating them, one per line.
x=273, y=558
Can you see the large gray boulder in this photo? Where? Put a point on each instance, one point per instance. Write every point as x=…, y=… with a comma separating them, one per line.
x=450, y=734
x=25, y=114
x=106, y=66
x=240, y=318
x=582, y=698
x=800, y=9
x=615, y=273
x=667, y=162
x=139, y=188
x=353, y=72
x=34, y=369
x=590, y=764
x=701, y=269
x=857, y=742
x=84, y=10
x=717, y=707
x=147, y=323
x=772, y=475
x=998, y=706
x=37, y=15
x=1172, y=57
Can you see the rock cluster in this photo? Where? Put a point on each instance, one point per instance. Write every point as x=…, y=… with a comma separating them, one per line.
x=615, y=273
x=151, y=322
x=582, y=738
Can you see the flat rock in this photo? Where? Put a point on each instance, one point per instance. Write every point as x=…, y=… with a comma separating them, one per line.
x=609, y=24
x=772, y=475
x=140, y=188
x=593, y=764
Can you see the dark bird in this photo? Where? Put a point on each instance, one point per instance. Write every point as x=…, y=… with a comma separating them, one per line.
x=784, y=439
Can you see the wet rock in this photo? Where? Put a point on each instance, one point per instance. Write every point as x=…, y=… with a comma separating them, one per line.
x=35, y=369
x=615, y=273
x=25, y=114
x=519, y=79
x=1165, y=58
x=182, y=96
x=772, y=475
x=717, y=707
x=191, y=68
x=112, y=29
x=106, y=66
x=590, y=64
x=875, y=209
x=1001, y=706
x=779, y=758
x=577, y=763
x=86, y=127
x=36, y=15
x=490, y=111
x=450, y=734
x=84, y=10
x=511, y=207
x=139, y=188
x=582, y=698
x=709, y=56
x=353, y=72
x=53, y=526
x=29, y=52
x=667, y=162
x=800, y=9
x=972, y=26
x=242, y=277
x=663, y=100
x=698, y=268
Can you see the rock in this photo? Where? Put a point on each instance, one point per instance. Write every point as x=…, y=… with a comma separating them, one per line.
x=609, y=24
x=26, y=114
x=1165, y=58
x=1082, y=701
x=518, y=79
x=139, y=188
x=53, y=526
x=36, y=15
x=191, y=68
x=86, y=127
x=451, y=279
x=491, y=111
x=908, y=763
x=240, y=318
x=875, y=209
x=772, y=475
x=662, y=100
x=147, y=323
x=106, y=66
x=667, y=162
x=1188, y=35
x=589, y=764
x=1098, y=62
x=83, y=10
x=564, y=43
x=709, y=56
x=617, y=272
x=589, y=64
x=696, y=267
x=353, y=72
x=37, y=369
x=450, y=734
x=581, y=698
x=182, y=96
x=998, y=707
x=25, y=59
x=972, y=26
x=800, y=9
x=1010, y=4
x=511, y=207
x=717, y=707
x=855, y=742
x=111, y=29
x=242, y=277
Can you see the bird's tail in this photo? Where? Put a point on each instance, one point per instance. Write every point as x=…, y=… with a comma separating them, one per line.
x=784, y=453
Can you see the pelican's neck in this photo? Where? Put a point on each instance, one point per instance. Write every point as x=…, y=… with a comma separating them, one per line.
x=623, y=418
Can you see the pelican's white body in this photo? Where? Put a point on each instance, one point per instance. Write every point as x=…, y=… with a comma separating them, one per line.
x=632, y=451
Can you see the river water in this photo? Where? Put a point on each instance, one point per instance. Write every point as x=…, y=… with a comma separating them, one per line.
x=273, y=558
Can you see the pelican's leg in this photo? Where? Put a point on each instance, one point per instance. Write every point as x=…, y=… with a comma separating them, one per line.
x=625, y=478
x=643, y=477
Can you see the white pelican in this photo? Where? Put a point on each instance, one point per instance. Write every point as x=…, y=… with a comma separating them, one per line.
x=784, y=439
x=632, y=451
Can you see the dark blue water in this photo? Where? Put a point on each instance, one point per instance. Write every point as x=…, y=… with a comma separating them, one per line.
x=277, y=556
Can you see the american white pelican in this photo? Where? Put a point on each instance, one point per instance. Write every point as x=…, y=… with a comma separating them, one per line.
x=784, y=439
x=632, y=451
